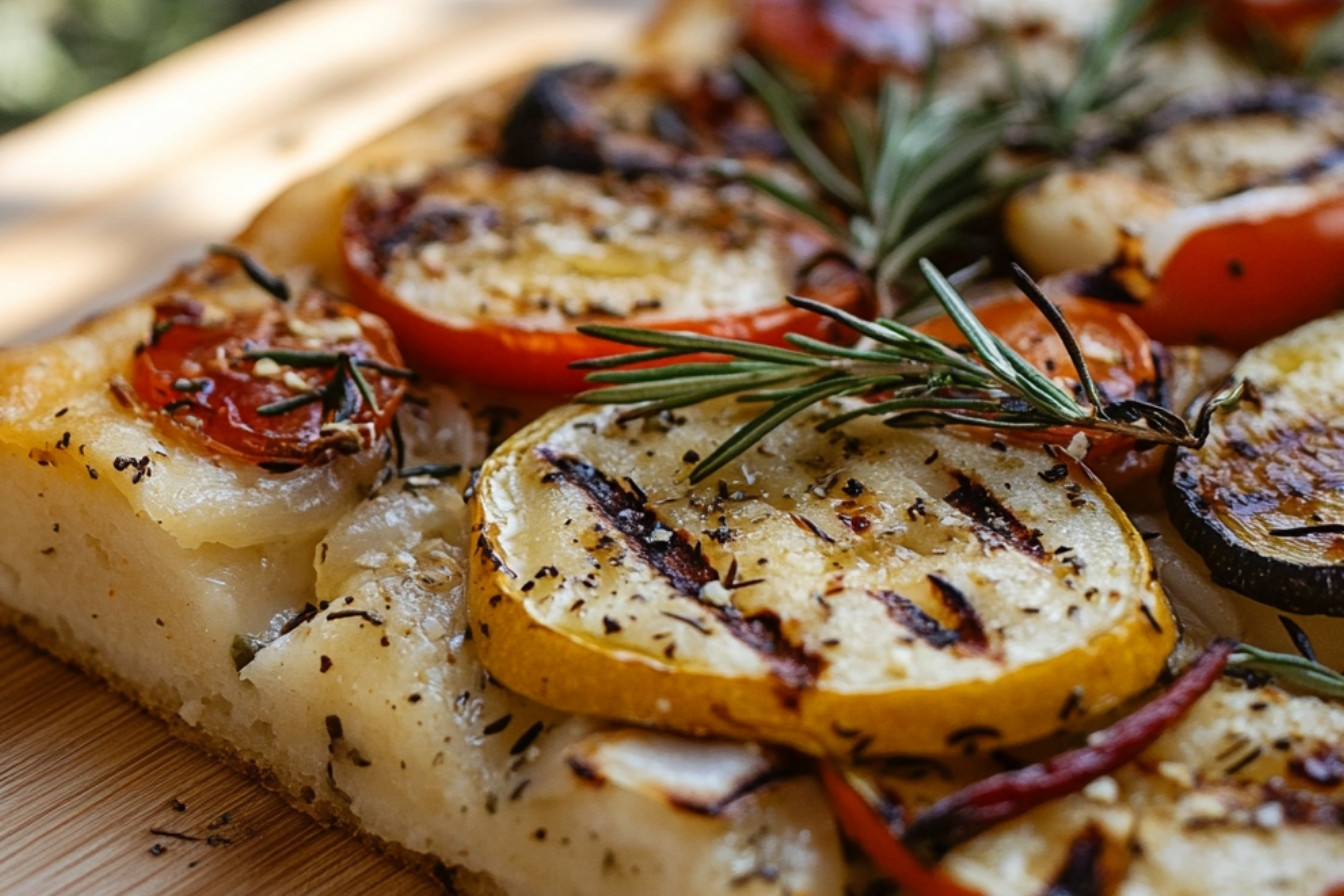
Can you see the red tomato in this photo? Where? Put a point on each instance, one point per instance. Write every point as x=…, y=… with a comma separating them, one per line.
x=519, y=353
x=1290, y=24
x=1236, y=283
x=200, y=370
x=512, y=355
x=853, y=43
x=1118, y=353
x=865, y=827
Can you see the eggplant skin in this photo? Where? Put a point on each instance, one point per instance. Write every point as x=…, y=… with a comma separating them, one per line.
x=1263, y=500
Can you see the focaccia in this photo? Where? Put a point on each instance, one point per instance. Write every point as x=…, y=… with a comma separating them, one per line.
x=538, y=658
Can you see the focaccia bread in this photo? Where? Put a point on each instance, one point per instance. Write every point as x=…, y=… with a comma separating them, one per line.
x=541, y=658
x=311, y=625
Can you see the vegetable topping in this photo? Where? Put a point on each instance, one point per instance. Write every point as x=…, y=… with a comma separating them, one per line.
x=278, y=381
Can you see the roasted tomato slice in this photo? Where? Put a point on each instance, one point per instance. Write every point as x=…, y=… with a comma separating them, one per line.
x=854, y=43
x=1236, y=272
x=1120, y=356
x=277, y=383
x=484, y=272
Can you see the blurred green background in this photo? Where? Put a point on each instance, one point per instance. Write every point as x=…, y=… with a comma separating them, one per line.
x=53, y=51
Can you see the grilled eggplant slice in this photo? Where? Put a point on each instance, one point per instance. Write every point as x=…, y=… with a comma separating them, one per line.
x=1251, y=776
x=1263, y=499
x=852, y=592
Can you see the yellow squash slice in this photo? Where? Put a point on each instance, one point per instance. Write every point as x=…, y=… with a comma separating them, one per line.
x=860, y=591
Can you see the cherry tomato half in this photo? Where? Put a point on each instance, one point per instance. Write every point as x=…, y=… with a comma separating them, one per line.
x=281, y=384
x=1119, y=355
x=1238, y=281
x=453, y=321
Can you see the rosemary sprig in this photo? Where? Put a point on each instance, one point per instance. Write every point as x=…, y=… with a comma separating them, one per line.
x=922, y=381
x=911, y=174
x=1297, y=671
x=1049, y=120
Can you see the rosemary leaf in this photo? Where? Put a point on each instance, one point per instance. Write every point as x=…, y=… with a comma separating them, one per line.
x=984, y=343
x=752, y=432
x=650, y=389
x=788, y=120
x=362, y=384
x=802, y=204
x=263, y=278
x=918, y=403
x=690, y=343
x=671, y=373
x=1290, y=669
x=286, y=405
x=1056, y=319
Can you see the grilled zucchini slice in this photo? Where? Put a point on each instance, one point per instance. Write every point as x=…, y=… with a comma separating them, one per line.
x=859, y=591
x=1263, y=499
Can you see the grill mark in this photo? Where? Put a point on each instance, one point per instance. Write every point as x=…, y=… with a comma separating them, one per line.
x=675, y=558
x=905, y=613
x=1083, y=872
x=970, y=629
x=685, y=568
x=989, y=514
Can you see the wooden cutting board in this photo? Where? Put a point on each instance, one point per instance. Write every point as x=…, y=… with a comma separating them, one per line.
x=105, y=198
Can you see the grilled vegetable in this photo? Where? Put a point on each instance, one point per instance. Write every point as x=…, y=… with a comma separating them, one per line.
x=1213, y=206
x=862, y=590
x=1251, y=775
x=1262, y=499
x=484, y=272
x=279, y=381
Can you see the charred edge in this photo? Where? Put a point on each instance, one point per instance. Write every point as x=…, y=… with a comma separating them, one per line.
x=684, y=567
x=978, y=503
x=970, y=629
x=586, y=772
x=1083, y=872
x=487, y=551
x=554, y=124
x=906, y=614
x=746, y=788
x=791, y=663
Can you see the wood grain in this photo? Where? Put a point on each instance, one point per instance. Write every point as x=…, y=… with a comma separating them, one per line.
x=97, y=797
x=104, y=198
